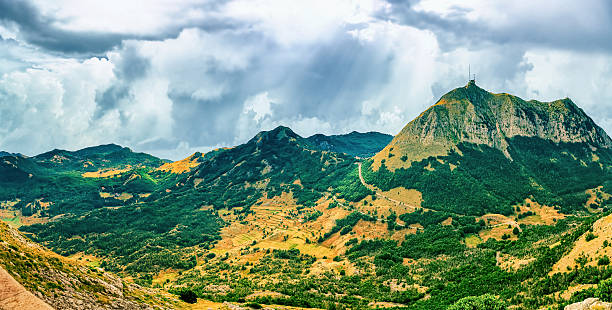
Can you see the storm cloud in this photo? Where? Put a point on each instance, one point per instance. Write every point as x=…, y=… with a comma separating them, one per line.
x=172, y=78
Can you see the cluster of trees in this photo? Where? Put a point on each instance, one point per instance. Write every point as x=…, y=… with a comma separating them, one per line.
x=345, y=225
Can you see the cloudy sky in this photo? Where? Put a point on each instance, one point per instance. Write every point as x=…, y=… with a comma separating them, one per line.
x=172, y=77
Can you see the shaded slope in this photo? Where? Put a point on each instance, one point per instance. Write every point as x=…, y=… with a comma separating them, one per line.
x=354, y=143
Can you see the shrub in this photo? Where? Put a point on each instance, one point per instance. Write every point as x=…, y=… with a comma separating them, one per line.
x=590, y=236
x=483, y=302
x=603, y=261
x=188, y=296
x=253, y=305
x=604, y=290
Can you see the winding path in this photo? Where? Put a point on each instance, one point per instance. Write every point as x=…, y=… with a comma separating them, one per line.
x=379, y=194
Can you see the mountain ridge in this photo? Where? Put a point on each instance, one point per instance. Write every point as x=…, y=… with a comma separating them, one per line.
x=354, y=143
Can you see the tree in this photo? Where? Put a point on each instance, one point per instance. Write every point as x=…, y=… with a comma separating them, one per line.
x=188, y=296
x=483, y=302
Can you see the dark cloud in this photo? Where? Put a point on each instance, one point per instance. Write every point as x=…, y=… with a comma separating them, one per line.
x=586, y=29
x=42, y=30
x=335, y=80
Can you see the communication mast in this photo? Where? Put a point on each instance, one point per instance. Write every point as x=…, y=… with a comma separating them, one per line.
x=471, y=78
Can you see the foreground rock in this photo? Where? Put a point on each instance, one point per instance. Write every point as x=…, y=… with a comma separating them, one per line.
x=590, y=304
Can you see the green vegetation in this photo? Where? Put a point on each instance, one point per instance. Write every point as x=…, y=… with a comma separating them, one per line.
x=483, y=302
x=171, y=222
x=188, y=296
x=553, y=174
x=143, y=235
x=345, y=225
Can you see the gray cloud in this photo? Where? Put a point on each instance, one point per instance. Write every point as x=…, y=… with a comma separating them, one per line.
x=540, y=24
x=41, y=30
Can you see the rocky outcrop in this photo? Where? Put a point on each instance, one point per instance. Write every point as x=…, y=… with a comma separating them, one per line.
x=471, y=114
x=590, y=304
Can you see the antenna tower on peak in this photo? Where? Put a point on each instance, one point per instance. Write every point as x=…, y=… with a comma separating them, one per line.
x=471, y=78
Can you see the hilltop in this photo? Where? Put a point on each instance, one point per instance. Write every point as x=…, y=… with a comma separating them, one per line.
x=475, y=152
x=95, y=158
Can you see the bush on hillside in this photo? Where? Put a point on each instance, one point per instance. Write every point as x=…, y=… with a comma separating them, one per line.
x=188, y=296
x=483, y=302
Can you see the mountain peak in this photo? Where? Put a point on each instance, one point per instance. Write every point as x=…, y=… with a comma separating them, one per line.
x=473, y=115
x=276, y=134
x=99, y=149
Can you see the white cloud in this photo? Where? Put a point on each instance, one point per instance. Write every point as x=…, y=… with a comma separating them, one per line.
x=134, y=16
x=583, y=77
x=302, y=22
x=260, y=104
x=53, y=106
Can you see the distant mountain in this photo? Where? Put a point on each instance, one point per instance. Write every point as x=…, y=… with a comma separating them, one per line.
x=184, y=204
x=3, y=154
x=277, y=158
x=355, y=143
x=95, y=158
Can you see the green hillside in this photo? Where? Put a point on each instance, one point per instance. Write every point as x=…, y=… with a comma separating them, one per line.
x=95, y=158
x=169, y=228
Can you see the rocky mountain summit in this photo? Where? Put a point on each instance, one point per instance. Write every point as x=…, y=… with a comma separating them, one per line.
x=473, y=115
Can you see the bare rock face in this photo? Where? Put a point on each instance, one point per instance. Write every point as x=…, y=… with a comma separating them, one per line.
x=590, y=304
x=471, y=114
